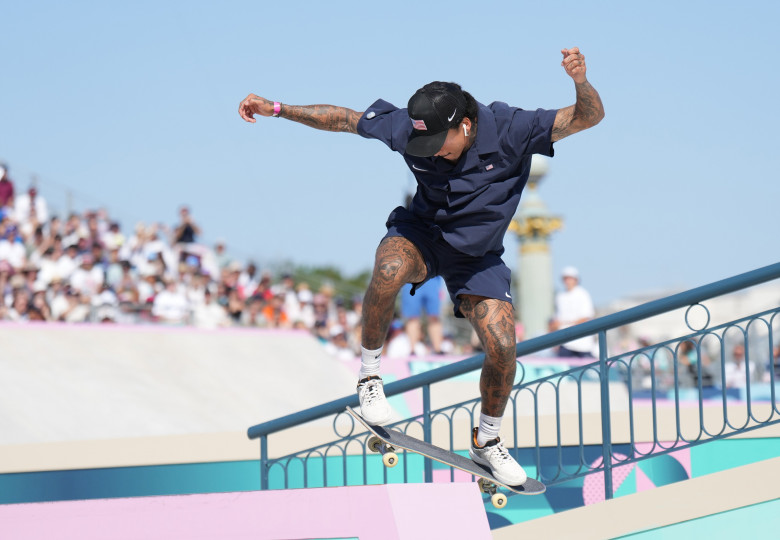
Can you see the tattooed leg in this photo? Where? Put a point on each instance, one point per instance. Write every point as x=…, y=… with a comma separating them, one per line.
x=494, y=322
x=398, y=262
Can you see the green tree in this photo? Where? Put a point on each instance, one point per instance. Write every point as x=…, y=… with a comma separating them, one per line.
x=345, y=286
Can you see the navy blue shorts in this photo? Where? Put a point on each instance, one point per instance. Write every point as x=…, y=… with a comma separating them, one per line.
x=486, y=276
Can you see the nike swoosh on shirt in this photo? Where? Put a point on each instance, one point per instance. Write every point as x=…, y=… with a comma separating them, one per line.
x=507, y=295
x=449, y=119
x=416, y=168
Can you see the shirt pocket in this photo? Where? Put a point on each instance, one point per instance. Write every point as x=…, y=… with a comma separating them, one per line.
x=463, y=190
x=463, y=184
x=477, y=178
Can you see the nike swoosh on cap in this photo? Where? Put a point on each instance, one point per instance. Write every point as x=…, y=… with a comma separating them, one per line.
x=453, y=115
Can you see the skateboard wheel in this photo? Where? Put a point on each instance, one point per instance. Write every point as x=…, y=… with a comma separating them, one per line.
x=390, y=459
x=375, y=444
x=498, y=500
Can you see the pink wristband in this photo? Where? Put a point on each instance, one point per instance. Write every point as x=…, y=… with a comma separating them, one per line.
x=277, y=108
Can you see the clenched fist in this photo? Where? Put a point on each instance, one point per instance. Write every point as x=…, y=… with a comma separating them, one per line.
x=574, y=64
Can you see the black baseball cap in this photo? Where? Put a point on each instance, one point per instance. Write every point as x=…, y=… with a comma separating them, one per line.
x=434, y=109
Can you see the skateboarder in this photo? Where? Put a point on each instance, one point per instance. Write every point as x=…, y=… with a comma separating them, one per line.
x=471, y=162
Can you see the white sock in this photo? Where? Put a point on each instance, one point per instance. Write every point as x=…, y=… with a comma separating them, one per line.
x=488, y=428
x=370, y=362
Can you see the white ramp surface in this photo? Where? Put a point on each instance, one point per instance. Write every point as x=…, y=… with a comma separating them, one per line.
x=86, y=382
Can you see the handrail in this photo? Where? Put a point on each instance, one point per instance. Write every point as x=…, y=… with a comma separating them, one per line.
x=602, y=324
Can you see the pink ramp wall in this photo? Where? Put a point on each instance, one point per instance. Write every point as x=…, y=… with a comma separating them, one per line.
x=368, y=512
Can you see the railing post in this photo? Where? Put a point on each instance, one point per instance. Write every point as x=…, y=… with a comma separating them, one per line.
x=606, y=419
x=264, y=462
x=427, y=437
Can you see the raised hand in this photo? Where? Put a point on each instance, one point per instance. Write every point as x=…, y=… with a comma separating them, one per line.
x=588, y=110
x=253, y=105
x=574, y=64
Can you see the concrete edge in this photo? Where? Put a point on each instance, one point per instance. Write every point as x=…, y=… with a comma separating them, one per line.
x=660, y=507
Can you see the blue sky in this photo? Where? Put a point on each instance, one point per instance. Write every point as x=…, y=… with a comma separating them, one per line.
x=132, y=106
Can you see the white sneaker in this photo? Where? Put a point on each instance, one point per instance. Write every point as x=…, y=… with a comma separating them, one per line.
x=494, y=456
x=373, y=403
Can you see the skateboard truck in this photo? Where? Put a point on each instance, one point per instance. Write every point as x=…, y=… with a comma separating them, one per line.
x=389, y=457
x=498, y=499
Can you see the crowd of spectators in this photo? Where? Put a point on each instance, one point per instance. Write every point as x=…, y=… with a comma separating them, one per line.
x=84, y=268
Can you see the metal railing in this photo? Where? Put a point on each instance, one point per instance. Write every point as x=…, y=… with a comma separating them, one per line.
x=692, y=366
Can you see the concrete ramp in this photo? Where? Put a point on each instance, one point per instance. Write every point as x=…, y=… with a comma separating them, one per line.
x=743, y=502
x=383, y=512
x=96, y=382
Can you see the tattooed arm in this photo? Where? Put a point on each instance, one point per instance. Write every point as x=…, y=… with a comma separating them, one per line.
x=588, y=110
x=325, y=117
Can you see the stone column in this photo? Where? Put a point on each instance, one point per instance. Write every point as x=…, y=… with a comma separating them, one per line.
x=534, y=225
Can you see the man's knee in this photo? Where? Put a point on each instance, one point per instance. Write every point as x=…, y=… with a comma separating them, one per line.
x=494, y=321
x=398, y=261
x=506, y=351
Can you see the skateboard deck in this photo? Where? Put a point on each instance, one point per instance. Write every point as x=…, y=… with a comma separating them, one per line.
x=390, y=439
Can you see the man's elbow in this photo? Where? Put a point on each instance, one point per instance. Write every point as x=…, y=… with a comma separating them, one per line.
x=587, y=121
x=596, y=118
x=600, y=116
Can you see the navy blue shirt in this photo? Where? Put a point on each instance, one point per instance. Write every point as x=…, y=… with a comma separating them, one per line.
x=471, y=202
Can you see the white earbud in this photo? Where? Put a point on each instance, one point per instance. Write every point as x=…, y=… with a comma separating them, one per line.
x=465, y=130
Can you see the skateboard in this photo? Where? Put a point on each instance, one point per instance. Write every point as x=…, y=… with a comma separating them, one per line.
x=386, y=440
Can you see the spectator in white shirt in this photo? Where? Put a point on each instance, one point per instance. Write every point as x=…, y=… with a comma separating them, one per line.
x=209, y=314
x=573, y=306
x=68, y=262
x=87, y=278
x=736, y=374
x=31, y=208
x=171, y=305
x=58, y=298
x=11, y=247
x=248, y=280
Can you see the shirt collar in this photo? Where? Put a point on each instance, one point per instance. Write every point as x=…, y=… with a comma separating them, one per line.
x=485, y=143
x=487, y=137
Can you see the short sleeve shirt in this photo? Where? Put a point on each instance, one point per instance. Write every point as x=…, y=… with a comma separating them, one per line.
x=471, y=202
x=572, y=306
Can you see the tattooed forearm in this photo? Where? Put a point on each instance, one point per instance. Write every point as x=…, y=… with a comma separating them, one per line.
x=588, y=107
x=562, y=126
x=325, y=117
x=493, y=321
x=585, y=113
